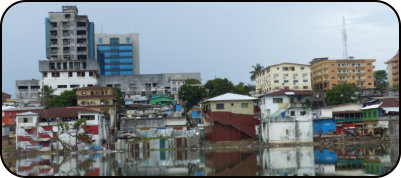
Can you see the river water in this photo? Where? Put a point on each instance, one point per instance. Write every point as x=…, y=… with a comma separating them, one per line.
x=348, y=160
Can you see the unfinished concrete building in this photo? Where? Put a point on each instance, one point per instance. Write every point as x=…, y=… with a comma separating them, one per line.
x=27, y=91
x=70, y=51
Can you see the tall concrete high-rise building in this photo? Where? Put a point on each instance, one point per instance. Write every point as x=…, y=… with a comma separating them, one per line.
x=70, y=50
x=117, y=54
x=393, y=70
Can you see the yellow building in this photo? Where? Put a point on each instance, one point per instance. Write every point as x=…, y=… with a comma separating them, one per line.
x=283, y=76
x=392, y=71
x=328, y=73
x=98, y=98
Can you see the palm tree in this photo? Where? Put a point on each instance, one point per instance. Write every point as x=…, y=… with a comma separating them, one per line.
x=256, y=69
x=46, y=93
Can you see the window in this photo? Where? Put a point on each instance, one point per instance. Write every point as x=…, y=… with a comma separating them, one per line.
x=220, y=106
x=244, y=105
x=305, y=87
x=295, y=75
x=369, y=64
x=369, y=76
x=292, y=113
x=88, y=117
x=74, y=86
x=90, y=73
x=83, y=102
x=303, y=113
x=285, y=81
x=332, y=64
x=232, y=104
x=364, y=114
x=44, y=74
x=333, y=71
x=276, y=81
x=302, y=68
x=100, y=40
x=374, y=114
x=369, y=83
x=69, y=74
x=305, y=81
x=25, y=120
x=285, y=75
x=278, y=68
x=295, y=81
x=299, y=98
x=369, y=114
x=333, y=77
x=61, y=86
x=67, y=16
x=277, y=100
x=128, y=40
x=285, y=68
x=276, y=75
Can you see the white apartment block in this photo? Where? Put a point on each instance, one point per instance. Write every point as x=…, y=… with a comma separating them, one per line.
x=283, y=76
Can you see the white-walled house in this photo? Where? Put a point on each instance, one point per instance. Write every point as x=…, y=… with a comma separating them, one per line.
x=34, y=132
x=286, y=117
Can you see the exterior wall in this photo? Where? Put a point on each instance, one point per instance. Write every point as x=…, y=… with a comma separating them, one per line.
x=9, y=116
x=27, y=90
x=274, y=78
x=235, y=109
x=324, y=125
x=393, y=71
x=64, y=79
x=322, y=113
x=372, y=116
x=287, y=132
x=131, y=47
x=219, y=132
x=328, y=73
x=38, y=135
x=347, y=107
x=268, y=108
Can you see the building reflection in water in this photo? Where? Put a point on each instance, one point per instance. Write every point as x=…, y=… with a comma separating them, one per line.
x=158, y=160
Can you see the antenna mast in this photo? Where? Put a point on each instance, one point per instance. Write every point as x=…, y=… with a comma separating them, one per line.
x=344, y=35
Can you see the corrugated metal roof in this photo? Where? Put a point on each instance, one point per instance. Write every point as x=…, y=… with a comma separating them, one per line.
x=289, y=92
x=231, y=97
x=372, y=106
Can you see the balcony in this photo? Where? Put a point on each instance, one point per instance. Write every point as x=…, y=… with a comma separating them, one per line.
x=361, y=66
x=360, y=79
x=341, y=67
x=360, y=73
x=342, y=73
x=395, y=72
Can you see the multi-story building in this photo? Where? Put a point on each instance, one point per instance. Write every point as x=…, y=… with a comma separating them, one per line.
x=283, y=76
x=27, y=91
x=286, y=117
x=392, y=71
x=117, y=54
x=328, y=73
x=98, y=98
x=37, y=129
x=70, y=51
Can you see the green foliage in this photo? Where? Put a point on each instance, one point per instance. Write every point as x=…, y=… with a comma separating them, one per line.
x=46, y=94
x=256, y=69
x=192, y=81
x=66, y=98
x=381, y=79
x=219, y=86
x=243, y=89
x=69, y=128
x=191, y=95
x=342, y=93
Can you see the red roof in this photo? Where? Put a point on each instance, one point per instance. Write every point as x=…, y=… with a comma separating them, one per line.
x=63, y=112
x=390, y=102
x=286, y=92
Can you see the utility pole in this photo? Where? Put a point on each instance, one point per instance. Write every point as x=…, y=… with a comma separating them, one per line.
x=344, y=39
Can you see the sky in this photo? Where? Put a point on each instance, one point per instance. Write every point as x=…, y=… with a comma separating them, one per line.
x=219, y=40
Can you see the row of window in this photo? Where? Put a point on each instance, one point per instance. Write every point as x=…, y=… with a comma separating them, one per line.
x=120, y=60
x=118, y=72
x=108, y=67
x=369, y=114
x=127, y=40
x=220, y=106
x=106, y=92
x=121, y=54
x=287, y=81
x=70, y=74
x=108, y=47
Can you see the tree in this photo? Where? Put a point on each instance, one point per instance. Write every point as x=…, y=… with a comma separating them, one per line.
x=381, y=79
x=219, y=86
x=243, y=89
x=256, y=69
x=191, y=95
x=342, y=93
x=72, y=129
x=46, y=94
x=66, y=98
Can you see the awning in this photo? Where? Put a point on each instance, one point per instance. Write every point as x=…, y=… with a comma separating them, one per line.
x=391, y=109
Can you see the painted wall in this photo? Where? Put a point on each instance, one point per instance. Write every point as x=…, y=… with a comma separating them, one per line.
x=233, y=107
x=370, y=114
x=324, y=125
x=285, y=132
x=64, y=79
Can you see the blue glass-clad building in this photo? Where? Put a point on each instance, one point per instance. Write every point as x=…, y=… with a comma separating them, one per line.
x=116, y=54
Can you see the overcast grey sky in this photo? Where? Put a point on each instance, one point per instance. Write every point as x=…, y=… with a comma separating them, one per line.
x=215, y=39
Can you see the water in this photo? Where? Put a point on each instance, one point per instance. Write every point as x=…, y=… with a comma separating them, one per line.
x=308, y=160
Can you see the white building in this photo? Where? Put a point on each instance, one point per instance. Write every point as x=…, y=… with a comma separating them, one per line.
x=34, y=132
x=286, y=117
